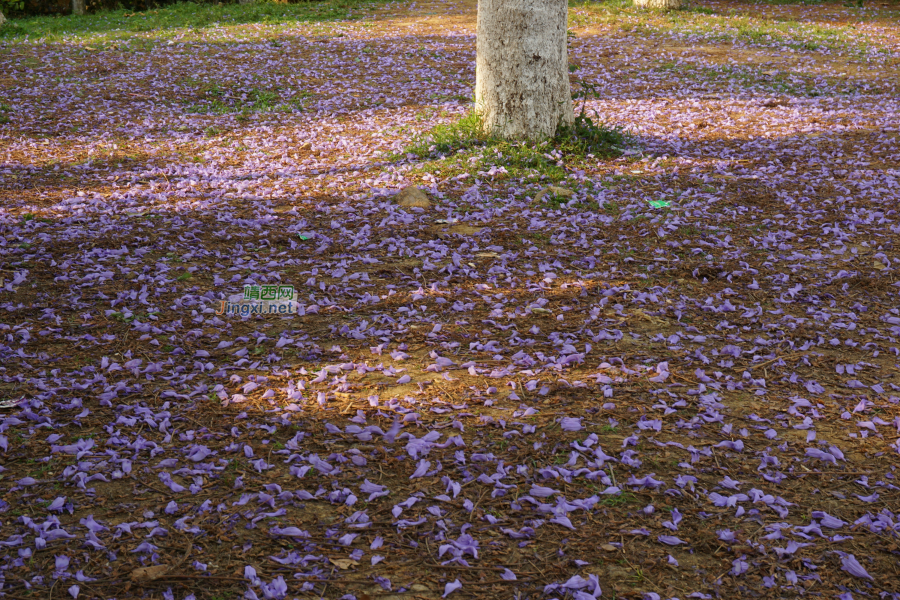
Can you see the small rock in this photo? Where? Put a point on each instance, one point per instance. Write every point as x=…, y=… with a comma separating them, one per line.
x=556, y=191
x=413, y=197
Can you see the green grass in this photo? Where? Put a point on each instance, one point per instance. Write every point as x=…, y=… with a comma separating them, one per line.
x=121, y=25
x=786, y=2
x=728, y=25
x=219, y=102
x=751, y=76
x=464, y=145
x=620, y=500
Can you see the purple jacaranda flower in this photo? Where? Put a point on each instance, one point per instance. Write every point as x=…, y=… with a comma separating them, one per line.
x=540, y=491
x=821, y=455
x=827, y=520
x=790, y=548
x=670, y=540
x=198, y=453
x=374, y=490
x=570, y=424
x=576, y=582
x=676, y=519
x=451, y=587
x=646, y=481
x=57, y=504
x=15, y=540
x=421, y=469
x=852, y=566
x=729, y=483
x=276, y=590
x=739, y=567
x=391, y=433
x=289, y=532
x=564, y=521
x=57, y=534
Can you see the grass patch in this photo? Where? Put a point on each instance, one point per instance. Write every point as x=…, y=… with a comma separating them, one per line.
x=167, y=21
x=728, y=25
x=800, y=2
x=465, y=145
x=219, y=102
x=621, y=500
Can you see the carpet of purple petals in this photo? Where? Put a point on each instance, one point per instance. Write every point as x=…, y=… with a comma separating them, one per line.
x=496, y=397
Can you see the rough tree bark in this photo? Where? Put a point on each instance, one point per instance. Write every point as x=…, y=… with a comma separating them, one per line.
x=2, y=18
x=521, y=73
x=659, y=4
x=77, y=7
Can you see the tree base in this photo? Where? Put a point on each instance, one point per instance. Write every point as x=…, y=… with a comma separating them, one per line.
x=521, y=74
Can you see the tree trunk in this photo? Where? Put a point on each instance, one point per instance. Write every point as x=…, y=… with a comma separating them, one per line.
x=77, y=7
x=2, y=18
x=521, y=71
x=659, y=4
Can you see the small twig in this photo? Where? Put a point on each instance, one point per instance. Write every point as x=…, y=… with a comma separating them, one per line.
x=835, y=473
x=777, y=358
x=713, y=451
x=474, y=506
x=154, y=489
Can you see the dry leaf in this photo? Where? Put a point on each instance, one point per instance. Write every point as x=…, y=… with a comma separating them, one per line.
x=144, y=574
x=343, y=563
x=608, y=547
x=880, y=265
